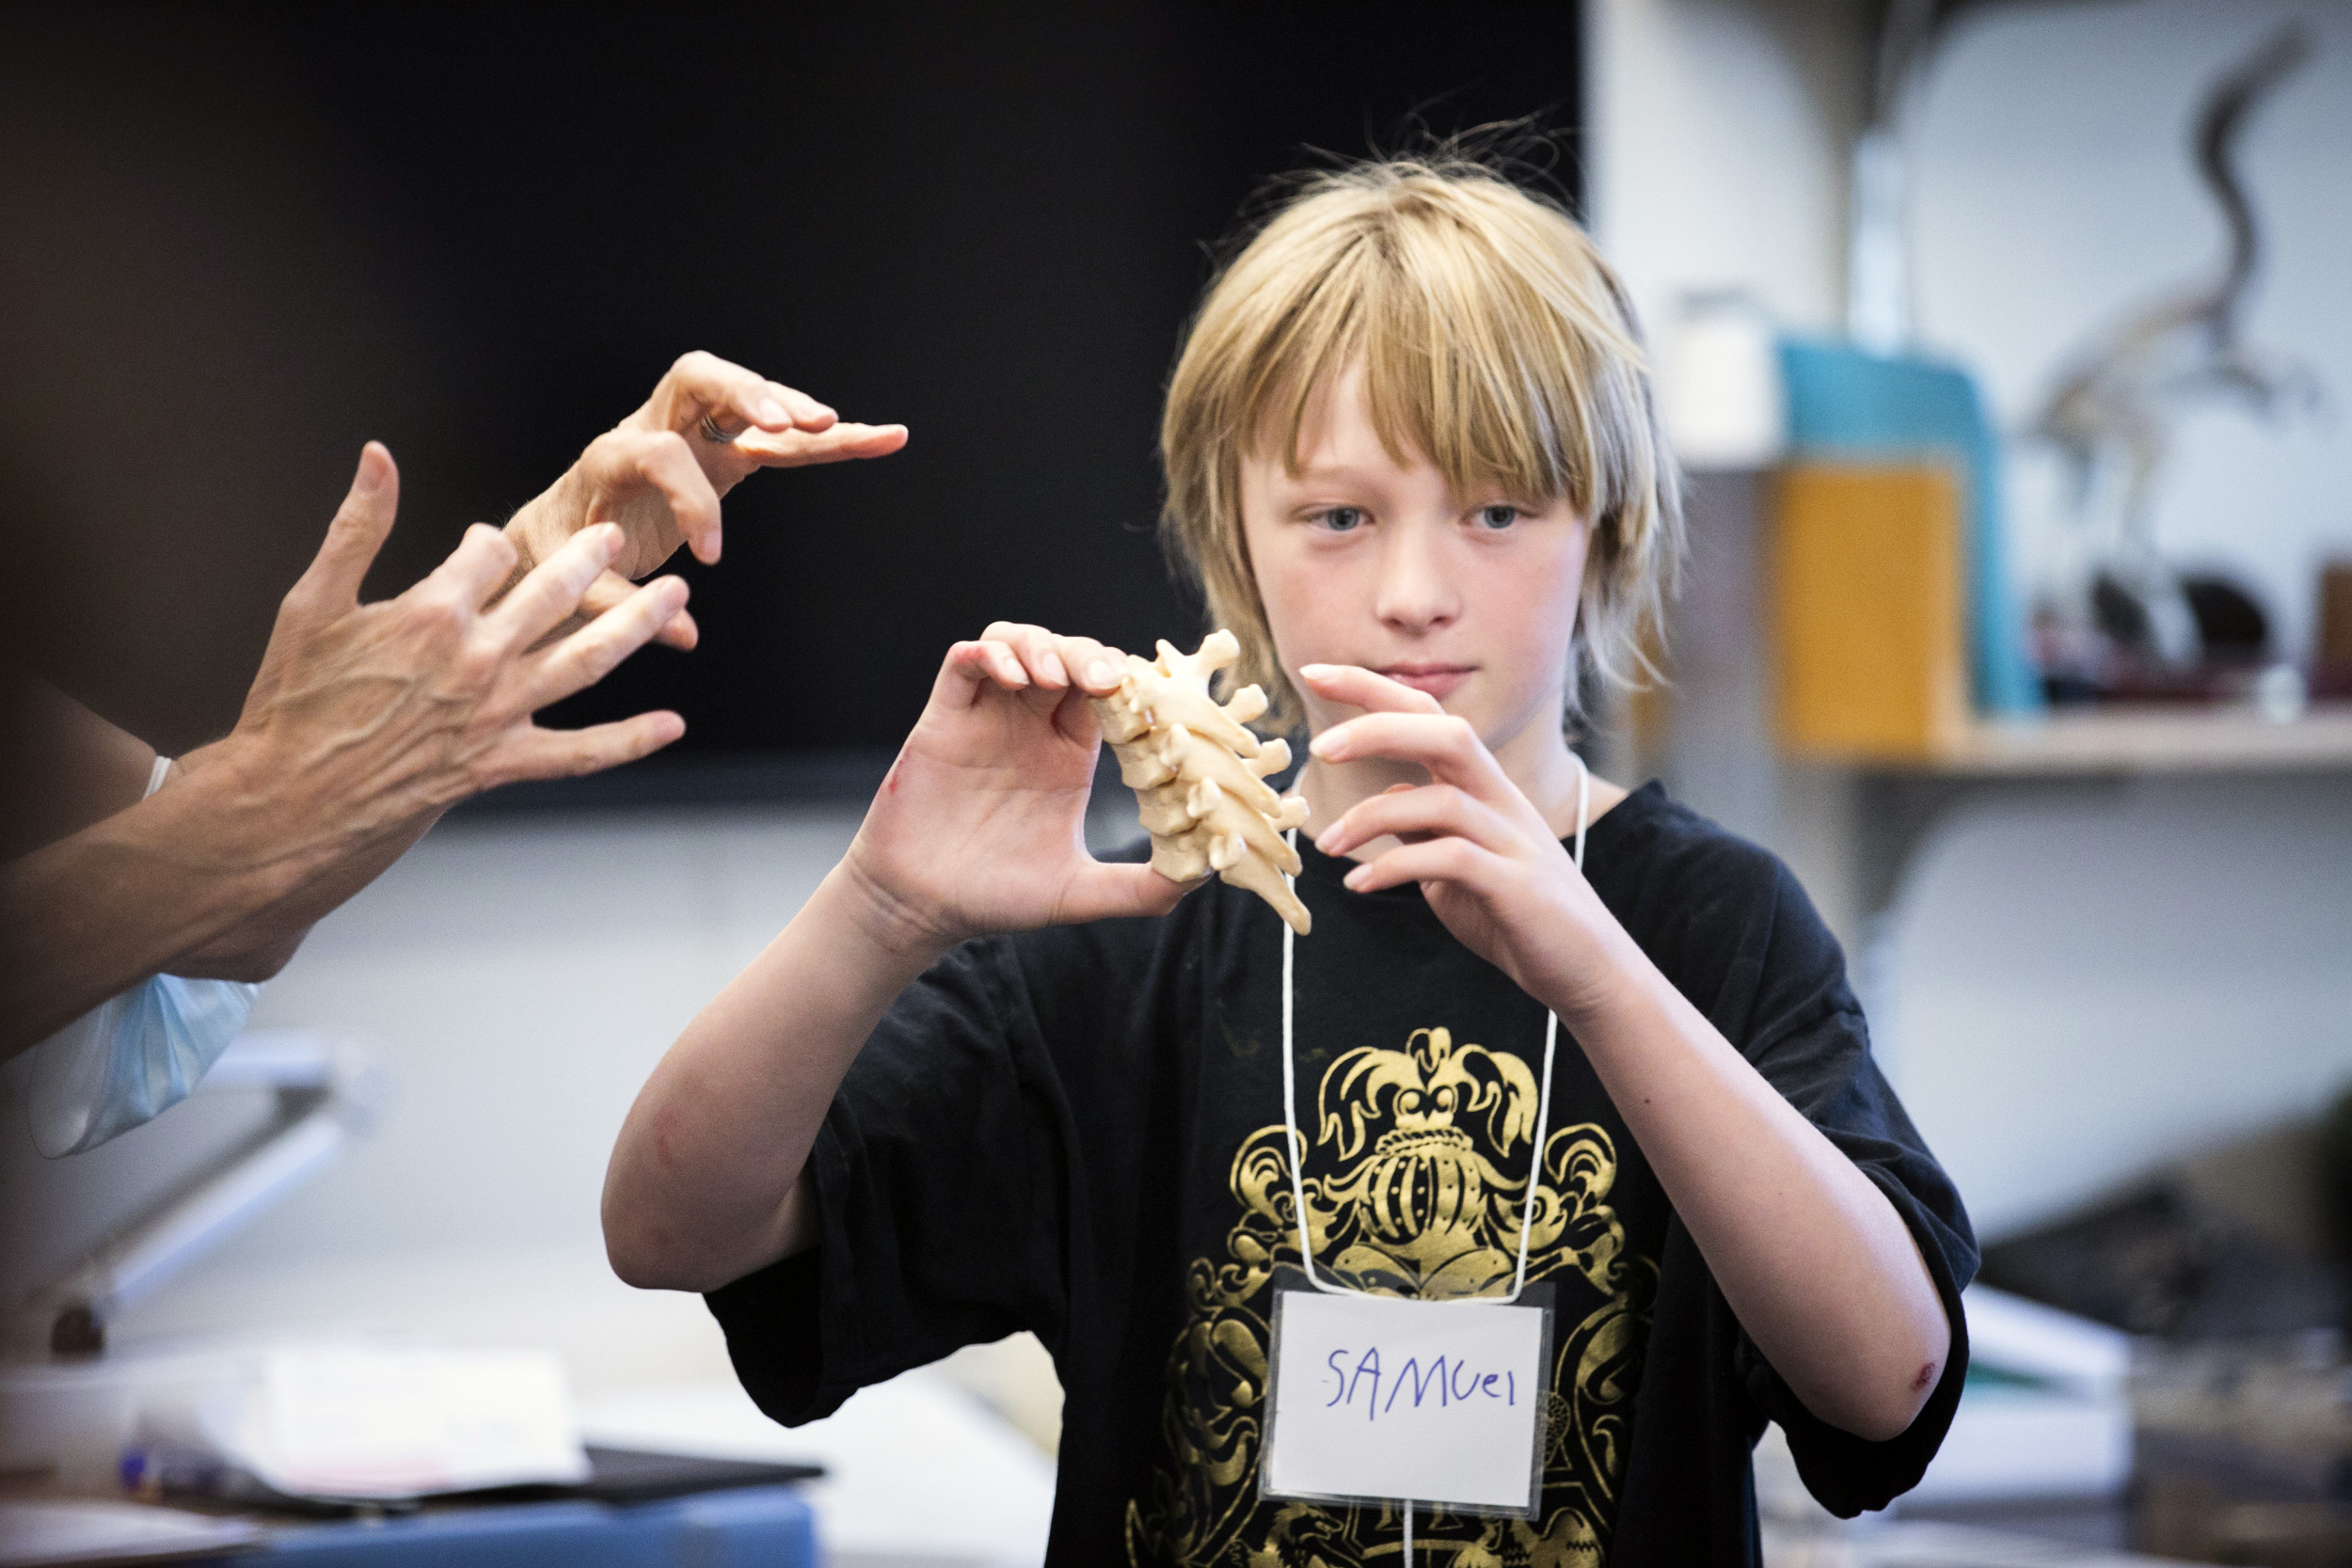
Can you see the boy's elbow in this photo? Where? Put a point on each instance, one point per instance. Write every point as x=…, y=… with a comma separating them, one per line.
x=642, y=1251
x=646, y=1252
x=641, y=1256
x=1880, y=1406
x=635, y=1270
x=1885, y=1413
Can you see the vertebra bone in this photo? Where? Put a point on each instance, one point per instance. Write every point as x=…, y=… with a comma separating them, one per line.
x=1199, y=777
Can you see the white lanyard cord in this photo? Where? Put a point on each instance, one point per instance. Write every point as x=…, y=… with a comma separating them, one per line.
x=1543, y=1099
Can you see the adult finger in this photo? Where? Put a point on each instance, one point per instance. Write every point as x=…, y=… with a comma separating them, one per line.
x=611, y=587
x=1034, y=647
x=703, y=385
x=1427, y=809
x=1366, y=688
x=624, y=462
x=1444, y=744
x=528, y=751
x=798, y=448
x=589, y=655
x=807, y=413
x=552, y=594
x=477, y=568
x=331, y=582
x=1097, y=891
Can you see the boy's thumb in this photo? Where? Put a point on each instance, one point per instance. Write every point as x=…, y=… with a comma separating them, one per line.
x=1119, y=891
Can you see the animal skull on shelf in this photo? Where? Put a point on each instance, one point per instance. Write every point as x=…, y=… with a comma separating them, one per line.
x=1199, y=776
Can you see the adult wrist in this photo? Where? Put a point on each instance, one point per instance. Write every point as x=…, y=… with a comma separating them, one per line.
x=238, y=823
x=521, y=531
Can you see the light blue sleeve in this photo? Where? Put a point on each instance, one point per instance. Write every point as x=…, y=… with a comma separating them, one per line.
x=134, y=1055
x=130, y=1059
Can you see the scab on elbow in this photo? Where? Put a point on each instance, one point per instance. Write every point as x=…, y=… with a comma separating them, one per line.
x=1891, y=1416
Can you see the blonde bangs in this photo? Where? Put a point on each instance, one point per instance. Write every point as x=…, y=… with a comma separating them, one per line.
x=1495, y=344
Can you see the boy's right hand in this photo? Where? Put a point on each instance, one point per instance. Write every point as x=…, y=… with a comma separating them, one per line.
x=981, y=825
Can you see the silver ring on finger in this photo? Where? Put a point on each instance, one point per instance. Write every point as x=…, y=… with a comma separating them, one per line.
x=710, y=431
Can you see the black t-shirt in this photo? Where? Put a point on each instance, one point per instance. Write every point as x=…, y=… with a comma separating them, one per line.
x=1079, y=1131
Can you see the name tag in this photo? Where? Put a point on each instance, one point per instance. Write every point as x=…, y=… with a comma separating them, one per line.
x=1432, y=1402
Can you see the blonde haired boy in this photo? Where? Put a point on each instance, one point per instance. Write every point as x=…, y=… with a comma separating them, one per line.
x=985, y=1083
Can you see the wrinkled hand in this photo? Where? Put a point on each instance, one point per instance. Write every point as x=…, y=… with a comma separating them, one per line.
x=365, y=718
x=1482, y=853
x=659, y=476
x=981, y=825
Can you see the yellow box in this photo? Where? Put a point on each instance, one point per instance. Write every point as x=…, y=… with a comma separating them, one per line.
x=1865, y=592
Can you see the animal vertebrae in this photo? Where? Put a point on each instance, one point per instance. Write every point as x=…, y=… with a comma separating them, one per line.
x=1199, y=776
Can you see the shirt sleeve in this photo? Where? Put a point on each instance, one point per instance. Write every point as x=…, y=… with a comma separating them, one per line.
x=1804, y=1032
x=939, y=1200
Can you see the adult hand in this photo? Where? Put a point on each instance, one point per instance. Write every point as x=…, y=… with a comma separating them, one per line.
x=981, y=825
x=364, y=722
x=364, y=717
x=661, y=476
x=1482, y=855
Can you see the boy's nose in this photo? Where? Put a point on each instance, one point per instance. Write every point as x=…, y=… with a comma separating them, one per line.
x=1414, y=592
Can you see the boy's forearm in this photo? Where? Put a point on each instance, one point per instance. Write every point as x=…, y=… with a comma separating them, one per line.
x=1813, y=1258
x=701, y=1189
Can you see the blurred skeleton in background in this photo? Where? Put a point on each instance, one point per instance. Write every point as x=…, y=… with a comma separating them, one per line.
x=2112, y=414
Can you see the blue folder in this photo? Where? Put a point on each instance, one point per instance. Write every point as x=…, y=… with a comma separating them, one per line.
x=760, y=1526
x=1846, y=403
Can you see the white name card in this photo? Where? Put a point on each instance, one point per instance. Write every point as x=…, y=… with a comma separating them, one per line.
x=1432, y=1401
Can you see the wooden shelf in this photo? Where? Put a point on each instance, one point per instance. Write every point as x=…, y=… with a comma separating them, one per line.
x=2153, y=739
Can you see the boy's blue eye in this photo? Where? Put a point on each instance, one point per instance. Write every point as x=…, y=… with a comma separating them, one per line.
x=1498, y=516
x=1340, y=519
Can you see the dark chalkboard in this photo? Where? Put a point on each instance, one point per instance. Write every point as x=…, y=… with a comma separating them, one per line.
x=242, y=239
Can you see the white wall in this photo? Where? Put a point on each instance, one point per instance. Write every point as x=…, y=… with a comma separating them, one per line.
x=2054, y=196
x=1717, y=134
x=518, y=980
x=2087, y=987
x=2080, y=987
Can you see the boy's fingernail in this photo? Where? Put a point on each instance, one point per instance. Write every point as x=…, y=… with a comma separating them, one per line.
x=1322, y=839
x=1054, y=670
x=772, y=412
x=1100, y=673
x=1326, y=745
x=1316, y=671
x=1356, y=877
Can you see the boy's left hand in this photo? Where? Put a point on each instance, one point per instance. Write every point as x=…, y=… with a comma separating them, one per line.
x=1487, y=861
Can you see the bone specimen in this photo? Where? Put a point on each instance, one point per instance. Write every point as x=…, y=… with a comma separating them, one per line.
x=1199, y=777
